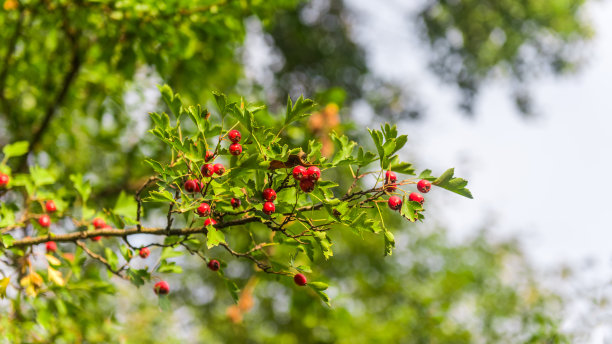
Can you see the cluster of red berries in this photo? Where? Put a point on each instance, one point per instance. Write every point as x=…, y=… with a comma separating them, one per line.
x=235, y=148
x=45, y=220
x=269, y=195
x=4, y=180
x=307, y=177
x=395, y=202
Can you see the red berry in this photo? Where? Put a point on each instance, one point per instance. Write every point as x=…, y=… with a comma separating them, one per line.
x=193, y=185
x=299, y=279
x=144, y=252
x=424, y=185
x=44, y=220
x=234, y=136
x=209, y=156
x=307, y=185
x=204, y=209
x=207, y=170
x=269, y=195
x=4, y=179
x=161, y=288
x=96, y=238
x=391, y=187
x=50, y=206
x=299, y=172
x=269, y=208
x=214, y=265
x=235, y=149
x=235, y=203
x=51, y=246
x=98, y=223
x=390, y=177
x=313, y=173
x=395, y=203
x=416, y=197
x=210, y=222
x=219, y=169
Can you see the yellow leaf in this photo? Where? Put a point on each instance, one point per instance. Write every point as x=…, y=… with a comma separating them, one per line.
x=36, y=280
x=56, y=276
x=10, y=5
x=52, y=260
x=3, y=285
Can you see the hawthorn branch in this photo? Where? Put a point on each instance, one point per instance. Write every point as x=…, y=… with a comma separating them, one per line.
x=139, y=200
x=72, y=237
x=99, y=258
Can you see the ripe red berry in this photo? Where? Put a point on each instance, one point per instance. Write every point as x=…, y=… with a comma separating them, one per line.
x=96, y=238
x=391, y=187
x=210, y=222
x=98, y=223
x=269, y=208
x=193, y=185
x=395, y=203
x=214, y=265
x=4, y=179
x=50, y=206
x=313, y=173
x=424, y=185
x=144, y=252
x=204, y=209
x=209, y=156
x=207, y=170
x=235, y=203
x=269, y=195
x=299, y=279
x=219, y=169
x=307, y=185
x=161, y=288
x=299, y=172
x=234, y=136
x=390, y=177
x=51, y=246
x=235, y=149
x=416, y=197
x=44, y=220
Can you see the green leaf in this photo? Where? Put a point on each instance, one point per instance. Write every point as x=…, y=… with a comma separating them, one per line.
x=169, y=267
x=81, y=186
x=125, y=205
x=164, y=303
x=401, y=167
x=163, y=196
x=426, y=174
x=456, y=185
x=377, y=137
x=389, y=243
x=410, y=209
x=233, y=290
x=221, y=100
x=172, y=100
x=15, y=149
x=299, y=110
x=169, y=252
x=111, y=257
x=320, y=292
x=157, y=167
x=318, y=285
x=41, y=176
x=138, y=277
x=214, y=237
x=324, y=242
x=7, y=240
